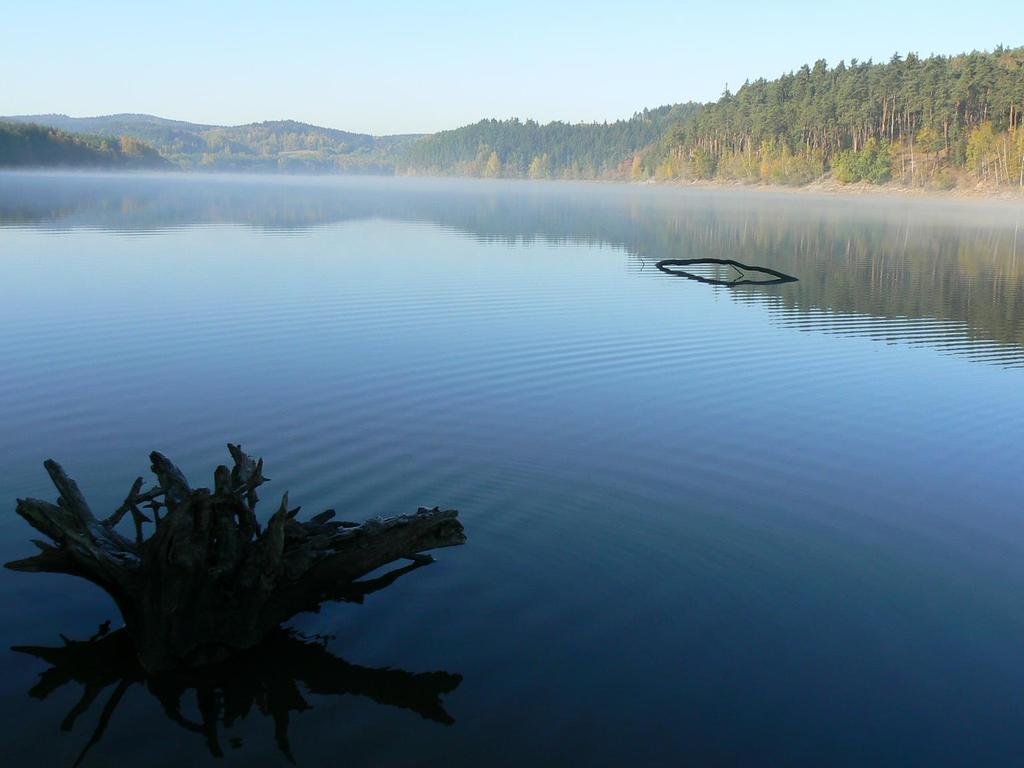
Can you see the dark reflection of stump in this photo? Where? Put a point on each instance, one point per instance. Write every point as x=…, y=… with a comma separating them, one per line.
x=739, y=274
x=266, y=678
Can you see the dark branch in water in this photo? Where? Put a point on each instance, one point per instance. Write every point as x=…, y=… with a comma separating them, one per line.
x=774, y=276
x=209, y=581
x=267, y=679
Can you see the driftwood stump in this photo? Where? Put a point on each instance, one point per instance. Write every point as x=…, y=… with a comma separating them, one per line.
x=211, y=581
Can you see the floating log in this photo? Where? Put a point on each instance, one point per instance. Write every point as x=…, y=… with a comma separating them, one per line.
x=211, y=581
x=771, y=276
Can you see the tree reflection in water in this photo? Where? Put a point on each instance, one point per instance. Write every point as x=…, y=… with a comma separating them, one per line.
x=267, y=678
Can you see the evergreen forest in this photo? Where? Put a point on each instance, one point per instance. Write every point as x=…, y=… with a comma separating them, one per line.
x=936, y=122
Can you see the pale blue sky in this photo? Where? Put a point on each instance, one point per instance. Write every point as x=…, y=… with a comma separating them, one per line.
x=392, y=67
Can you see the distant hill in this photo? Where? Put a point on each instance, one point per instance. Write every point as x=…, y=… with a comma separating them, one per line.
x=280, y=145
x=936, y=122
x=26, y=145
x=513, y=148
x=519, y=149
x=167, y=136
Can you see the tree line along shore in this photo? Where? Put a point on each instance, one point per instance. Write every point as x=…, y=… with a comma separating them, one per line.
x=934, y=123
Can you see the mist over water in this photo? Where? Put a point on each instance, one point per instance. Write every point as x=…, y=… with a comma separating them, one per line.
x=708, y=524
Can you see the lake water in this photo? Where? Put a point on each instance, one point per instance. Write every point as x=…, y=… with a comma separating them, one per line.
x=707, y=525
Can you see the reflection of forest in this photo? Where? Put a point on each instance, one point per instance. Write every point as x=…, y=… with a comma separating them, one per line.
x=960, y=264
x=969, y=279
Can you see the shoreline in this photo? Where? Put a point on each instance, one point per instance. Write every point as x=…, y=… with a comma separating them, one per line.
x=825, y=186
x=828, y=186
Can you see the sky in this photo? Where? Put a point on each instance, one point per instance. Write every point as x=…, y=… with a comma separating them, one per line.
x=403, y=67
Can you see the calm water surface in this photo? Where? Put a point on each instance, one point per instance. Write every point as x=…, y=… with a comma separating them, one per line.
x=749, y=525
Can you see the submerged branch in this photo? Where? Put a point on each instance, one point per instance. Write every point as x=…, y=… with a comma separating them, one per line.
x=773, y=277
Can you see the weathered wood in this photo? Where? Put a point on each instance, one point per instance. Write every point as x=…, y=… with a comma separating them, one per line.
x=210, y=581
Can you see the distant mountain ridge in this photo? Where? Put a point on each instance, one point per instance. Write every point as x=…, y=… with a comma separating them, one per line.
x=103, y=123
x=552, y=150
x=273, y=145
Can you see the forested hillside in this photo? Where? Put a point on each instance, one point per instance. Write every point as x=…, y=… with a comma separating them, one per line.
x=513, y=148
x=936, y=121
x=282, y=145
x=26, y=145
x=167, y=136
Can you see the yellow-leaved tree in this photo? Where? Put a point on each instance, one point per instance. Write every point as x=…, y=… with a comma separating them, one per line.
x=540, y=166
x=493, y=167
